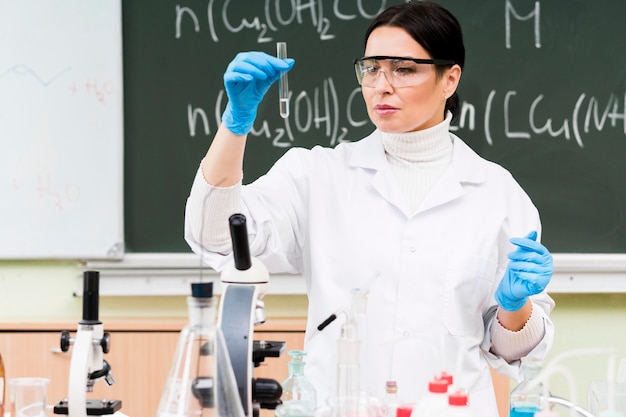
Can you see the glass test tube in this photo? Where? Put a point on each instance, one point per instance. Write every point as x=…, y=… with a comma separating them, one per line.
x=283, y=84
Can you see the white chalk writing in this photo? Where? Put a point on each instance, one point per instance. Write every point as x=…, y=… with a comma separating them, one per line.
x=276, y=14
x=317, y=110
x=336, y=118
x=509, y=10
x=586, y=115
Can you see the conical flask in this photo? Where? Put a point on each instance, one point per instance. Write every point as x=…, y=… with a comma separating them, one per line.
x=201, y=380
x=525, y=401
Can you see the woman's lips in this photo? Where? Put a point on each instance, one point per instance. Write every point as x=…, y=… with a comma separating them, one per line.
x=384, y=109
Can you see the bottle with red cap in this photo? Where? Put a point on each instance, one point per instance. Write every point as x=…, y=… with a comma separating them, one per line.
x=435, y=400
x=446, y=377
x=458, y=404
x=405, y=410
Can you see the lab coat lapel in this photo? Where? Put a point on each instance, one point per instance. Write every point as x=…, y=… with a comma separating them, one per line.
x=466, y=167
x=369, y=154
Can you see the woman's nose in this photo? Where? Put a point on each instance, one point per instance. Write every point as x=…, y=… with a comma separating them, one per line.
x=386, y=84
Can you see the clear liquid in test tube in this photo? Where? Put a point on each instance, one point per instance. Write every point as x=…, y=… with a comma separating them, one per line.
x=283, y=84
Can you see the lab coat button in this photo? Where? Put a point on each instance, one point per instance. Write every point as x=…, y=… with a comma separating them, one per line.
x=406, y=333
x=412, y=249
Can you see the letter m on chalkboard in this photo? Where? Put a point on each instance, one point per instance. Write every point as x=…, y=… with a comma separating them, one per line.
x=510, y=11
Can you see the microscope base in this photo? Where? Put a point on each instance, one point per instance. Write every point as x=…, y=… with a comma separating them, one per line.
x=94, y=407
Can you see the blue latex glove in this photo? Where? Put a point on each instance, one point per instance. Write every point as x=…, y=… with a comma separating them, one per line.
x=528, y=273
x=247, y=79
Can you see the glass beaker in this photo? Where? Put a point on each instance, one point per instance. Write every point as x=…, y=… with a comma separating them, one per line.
x=201, y=380
x=600, y=400
x=28, y=396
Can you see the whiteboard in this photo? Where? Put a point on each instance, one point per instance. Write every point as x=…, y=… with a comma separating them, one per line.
x=61, y=129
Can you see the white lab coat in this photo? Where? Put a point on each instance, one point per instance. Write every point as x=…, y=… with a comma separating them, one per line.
x=337, y=217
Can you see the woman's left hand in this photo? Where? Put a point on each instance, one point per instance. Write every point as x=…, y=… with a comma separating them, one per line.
x=528, y=273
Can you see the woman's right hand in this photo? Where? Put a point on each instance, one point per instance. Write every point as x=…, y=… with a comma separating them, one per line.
x=247, y=79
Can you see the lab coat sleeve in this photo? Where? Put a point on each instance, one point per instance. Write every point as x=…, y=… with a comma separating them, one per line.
x=523, y=217
x=275, y=209
x=278, y=205
x=542, y=305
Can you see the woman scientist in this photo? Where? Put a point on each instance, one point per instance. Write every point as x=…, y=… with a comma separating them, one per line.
x=446, y=242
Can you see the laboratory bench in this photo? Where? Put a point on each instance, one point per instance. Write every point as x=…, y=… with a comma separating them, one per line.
x=140, y=356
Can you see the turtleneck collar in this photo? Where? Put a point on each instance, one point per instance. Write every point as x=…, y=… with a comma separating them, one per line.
x=428, y=145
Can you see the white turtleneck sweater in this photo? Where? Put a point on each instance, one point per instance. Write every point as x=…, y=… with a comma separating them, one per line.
x=417, y=160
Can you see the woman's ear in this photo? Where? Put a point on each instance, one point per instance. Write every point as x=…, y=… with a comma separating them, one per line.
x=451, y=80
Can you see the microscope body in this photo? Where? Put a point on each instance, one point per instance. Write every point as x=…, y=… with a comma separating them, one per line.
x=244, y=283
x=87, y=364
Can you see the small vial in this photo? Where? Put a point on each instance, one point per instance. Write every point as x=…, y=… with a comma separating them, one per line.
x=283, y=84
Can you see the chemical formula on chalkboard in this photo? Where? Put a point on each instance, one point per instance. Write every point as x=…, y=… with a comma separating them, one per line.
x=224, y=17
x=339, y=115
x=318, y=109
x=588, y=116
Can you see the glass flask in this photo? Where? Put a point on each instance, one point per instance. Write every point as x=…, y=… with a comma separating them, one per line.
x=525, y=402
x=201, y=381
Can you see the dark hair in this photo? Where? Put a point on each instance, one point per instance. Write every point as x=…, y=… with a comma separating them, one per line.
x=434, y=28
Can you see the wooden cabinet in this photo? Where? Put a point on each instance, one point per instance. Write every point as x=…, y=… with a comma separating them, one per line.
x=140, y=358
x=139, y=362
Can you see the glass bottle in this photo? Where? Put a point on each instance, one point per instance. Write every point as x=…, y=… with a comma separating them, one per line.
x=201, y=380
x=391, y=401
x=458, y=404
x=435, y=400
x=299, y=396
x=525, y=400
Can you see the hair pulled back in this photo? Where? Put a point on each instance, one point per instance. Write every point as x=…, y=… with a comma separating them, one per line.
x=434, y=28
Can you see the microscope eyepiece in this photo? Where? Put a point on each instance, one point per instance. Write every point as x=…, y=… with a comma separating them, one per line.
x=91, y=296
x=239, y=236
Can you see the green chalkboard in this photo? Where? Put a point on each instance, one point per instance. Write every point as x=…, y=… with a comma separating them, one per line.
x=543, y=92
